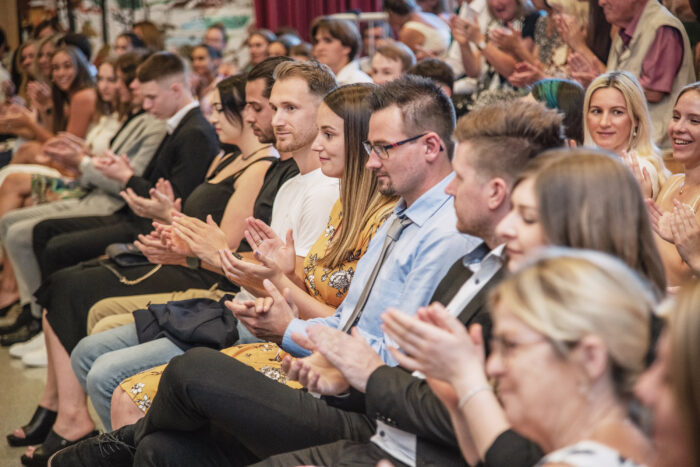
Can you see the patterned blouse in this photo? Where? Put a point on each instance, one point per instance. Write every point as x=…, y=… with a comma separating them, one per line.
x=330, y=285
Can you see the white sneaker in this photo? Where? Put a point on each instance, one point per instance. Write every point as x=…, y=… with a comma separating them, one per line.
x=36, y=358
x=21, y=349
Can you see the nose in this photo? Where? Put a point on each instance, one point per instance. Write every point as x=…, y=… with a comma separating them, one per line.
x=495, y=366
x=316, y=144
x=373, y=161
x=277, y=119
x=505, y=229
x=605, y=119
x=450, y=189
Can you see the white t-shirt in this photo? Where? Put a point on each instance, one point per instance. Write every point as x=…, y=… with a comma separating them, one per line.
x=351, y=74
x=304, y=205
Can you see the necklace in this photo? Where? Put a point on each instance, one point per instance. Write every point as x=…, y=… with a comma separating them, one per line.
x=245, y=158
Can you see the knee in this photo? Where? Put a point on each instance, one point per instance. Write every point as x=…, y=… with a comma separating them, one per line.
x=81, y=360
x=186, y=367
x=153, y=450
x=103, y=377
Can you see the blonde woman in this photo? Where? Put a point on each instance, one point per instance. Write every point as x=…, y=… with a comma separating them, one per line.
x=562, y=371
x=616, y=118
x=671, y=386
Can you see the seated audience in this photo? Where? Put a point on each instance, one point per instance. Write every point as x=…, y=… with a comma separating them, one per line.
x=337, y=44
x=390, y=61
x=616, y=118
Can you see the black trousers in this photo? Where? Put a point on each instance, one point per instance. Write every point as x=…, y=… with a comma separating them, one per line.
x=225, y=413
x=339, y=454
x=60, y=243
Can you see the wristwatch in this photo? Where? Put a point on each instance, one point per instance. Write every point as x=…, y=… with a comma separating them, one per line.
x=193, y=262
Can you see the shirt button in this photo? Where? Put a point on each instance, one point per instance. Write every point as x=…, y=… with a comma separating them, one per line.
x=382, y=434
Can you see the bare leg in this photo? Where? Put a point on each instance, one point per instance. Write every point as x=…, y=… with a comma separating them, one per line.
x=49, y=399
x=14, y=192
x=123, y=410
x=73, y=420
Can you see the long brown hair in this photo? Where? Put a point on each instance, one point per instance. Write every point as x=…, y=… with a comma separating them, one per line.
x=83, y=79
x=589, y=199
x=359, y=196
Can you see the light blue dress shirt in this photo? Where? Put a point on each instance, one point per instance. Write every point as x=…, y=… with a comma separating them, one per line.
x=422, y=255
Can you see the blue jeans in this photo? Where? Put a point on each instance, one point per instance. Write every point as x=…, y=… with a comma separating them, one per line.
x=103, y=360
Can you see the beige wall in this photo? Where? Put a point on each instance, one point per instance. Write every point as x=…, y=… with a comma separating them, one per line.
x=8, y=21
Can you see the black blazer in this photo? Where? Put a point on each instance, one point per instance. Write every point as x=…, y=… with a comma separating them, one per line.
x=183, y=157
x=398, y=399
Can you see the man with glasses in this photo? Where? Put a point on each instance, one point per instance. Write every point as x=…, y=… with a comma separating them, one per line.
x=237, y=414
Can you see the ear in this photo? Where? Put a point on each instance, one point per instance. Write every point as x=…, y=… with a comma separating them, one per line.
x=346, y=52
x=176, y=87
x=497, y=193
x=592, y=354
x=434, y=146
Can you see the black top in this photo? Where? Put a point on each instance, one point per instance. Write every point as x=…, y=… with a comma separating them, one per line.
x=212, y=198
x=278, y=173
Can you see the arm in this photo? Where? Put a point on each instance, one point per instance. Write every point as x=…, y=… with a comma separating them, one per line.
x=662, y=63
x=82, y=108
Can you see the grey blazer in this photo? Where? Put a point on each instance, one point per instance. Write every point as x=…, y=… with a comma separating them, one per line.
x=138, y=139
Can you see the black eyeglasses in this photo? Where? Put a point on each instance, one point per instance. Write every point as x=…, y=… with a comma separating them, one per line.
x=382, y=150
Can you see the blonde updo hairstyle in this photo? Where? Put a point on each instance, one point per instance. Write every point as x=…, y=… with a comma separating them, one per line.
x=568, y=294
x=640, y=138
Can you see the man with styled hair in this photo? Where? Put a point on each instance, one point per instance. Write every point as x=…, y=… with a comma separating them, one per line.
x=182, y=158
x=259, y=417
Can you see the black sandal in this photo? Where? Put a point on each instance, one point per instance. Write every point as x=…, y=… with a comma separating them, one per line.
x=51, y=445
x=36, y=430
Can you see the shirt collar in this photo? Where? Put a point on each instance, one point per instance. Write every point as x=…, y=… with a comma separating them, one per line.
x=175, y=120
x=476, y=257
x=425, y=206
x=627, y=33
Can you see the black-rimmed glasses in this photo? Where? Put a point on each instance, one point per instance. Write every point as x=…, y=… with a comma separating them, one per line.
x=382, y=150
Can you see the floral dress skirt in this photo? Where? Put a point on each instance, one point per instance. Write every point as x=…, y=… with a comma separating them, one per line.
x=265, y=357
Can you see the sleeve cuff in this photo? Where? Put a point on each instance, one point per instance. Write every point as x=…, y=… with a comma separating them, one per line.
x=84, y=163
x=299, y=326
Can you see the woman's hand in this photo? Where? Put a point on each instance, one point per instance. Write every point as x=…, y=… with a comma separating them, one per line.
x=18, y=120
x=154, y=249
x=581, y=69
x=437, y=345
x=686, y=234
x=640, y=174
x=660, y=220
x=525, y=73
x=571, y=32
x=465, y=31
x=203, y=239
x=39, y=95
x=158, y=207
x=506, y=39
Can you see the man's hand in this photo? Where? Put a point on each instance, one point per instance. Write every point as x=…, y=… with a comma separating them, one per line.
x=266, y=317
x=315, y=372
x=115, y=167
x=349, y=353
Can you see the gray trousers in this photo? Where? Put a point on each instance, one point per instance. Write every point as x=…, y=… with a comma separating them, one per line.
x=16, y=229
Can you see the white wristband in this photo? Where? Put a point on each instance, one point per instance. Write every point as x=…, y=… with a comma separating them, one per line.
x=465, y=398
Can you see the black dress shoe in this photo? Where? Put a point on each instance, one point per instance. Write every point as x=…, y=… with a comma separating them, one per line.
x=23, y=334
x=23, y=318
x=36, y=430
x=51, y=445
x=113, y=449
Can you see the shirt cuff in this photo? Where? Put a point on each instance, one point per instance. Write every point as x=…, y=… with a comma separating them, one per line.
x=84, y=162
x=299, y=326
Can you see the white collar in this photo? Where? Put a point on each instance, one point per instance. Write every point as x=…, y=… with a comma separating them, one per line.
x=175, y=120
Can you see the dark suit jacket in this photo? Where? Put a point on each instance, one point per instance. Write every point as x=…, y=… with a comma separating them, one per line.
x=183, y=157
x=398, y=399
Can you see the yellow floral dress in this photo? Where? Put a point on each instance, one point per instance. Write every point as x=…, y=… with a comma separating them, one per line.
x=326, y=285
